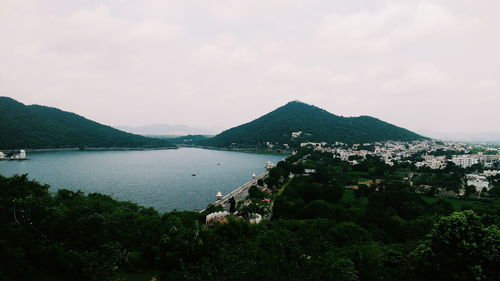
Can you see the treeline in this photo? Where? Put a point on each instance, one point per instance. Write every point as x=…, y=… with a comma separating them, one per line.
x=38, y=126
x=391, y=235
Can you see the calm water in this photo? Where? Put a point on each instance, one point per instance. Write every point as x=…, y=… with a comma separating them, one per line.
x=161, y=179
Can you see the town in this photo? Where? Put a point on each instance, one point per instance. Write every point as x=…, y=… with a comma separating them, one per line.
x=478, y=165
x=431, y=168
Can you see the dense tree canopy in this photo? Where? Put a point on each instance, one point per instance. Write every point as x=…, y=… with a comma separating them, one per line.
x=316, y=125
x=460, y=247
x=38, y=126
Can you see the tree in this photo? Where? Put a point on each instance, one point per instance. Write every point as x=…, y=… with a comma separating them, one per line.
x=459, y=248
x=255, y=193
x=362, y=191
x=469, y=191
x=318, y=209
x=260, y=182
x=331, y=267
x=495, y=191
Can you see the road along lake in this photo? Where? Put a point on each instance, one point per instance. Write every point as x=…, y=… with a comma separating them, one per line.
x=181, y=179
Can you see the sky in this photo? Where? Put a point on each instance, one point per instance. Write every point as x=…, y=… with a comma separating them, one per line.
x=422, y=65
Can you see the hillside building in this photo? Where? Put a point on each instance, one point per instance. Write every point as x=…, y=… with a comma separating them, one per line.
x=313, y=144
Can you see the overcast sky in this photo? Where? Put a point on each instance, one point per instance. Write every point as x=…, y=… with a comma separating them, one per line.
x=422, y=65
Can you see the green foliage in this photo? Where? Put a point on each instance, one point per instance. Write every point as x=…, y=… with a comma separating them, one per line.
x=303, y=195
x=260, y=182
x=443, y=179
x=38, y=126
x=277, y=175
x=319, y=125
x=495, y=190
x=460, y=247
x=256, y=207
x=255, y=193
x=363, y=191
x=70, y=235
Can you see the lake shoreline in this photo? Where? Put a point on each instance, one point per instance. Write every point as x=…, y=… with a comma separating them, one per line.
x=243, y=150
x=95, y=149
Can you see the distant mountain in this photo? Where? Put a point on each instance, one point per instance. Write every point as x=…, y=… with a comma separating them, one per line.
x=315, y=124
x=482, y=137
x=37, y=126
x=165, y=129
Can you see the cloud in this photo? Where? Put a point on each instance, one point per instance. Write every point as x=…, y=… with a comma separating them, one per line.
x=420, y=78
x=144, y=62
x=211, y=53
x=390, y=27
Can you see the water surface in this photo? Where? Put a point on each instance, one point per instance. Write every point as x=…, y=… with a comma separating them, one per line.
x=162, y=179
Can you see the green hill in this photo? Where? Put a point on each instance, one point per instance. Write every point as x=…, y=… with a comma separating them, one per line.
x=315, y=124
x=37, y=126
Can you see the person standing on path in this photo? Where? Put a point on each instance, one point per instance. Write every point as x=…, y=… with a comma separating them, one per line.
x=232, y=205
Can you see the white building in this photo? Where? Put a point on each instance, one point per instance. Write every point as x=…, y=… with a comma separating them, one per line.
x=296, y=134
x=489, y=161
x=2, y=155
x=479, y=182
x=313, y=144
x=433, y=162
x=489, y=173
x=20, y=155
x=465, y=160
x=269, y=165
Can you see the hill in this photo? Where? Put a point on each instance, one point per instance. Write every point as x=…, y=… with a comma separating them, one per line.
x=36, y=126
x=315, y=124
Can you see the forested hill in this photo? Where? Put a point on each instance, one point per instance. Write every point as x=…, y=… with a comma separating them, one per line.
x=37, y=126
x=316, y=125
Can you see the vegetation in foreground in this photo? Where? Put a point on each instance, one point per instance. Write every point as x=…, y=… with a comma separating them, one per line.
x=389, y=235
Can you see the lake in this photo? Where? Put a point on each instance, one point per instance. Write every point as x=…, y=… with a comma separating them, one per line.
x=162, y=179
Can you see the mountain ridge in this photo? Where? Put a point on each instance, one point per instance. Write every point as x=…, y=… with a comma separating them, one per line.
x=321, y=125
x=38, y=126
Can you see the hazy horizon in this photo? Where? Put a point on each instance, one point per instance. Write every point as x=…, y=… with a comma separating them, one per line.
x=421, y=65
